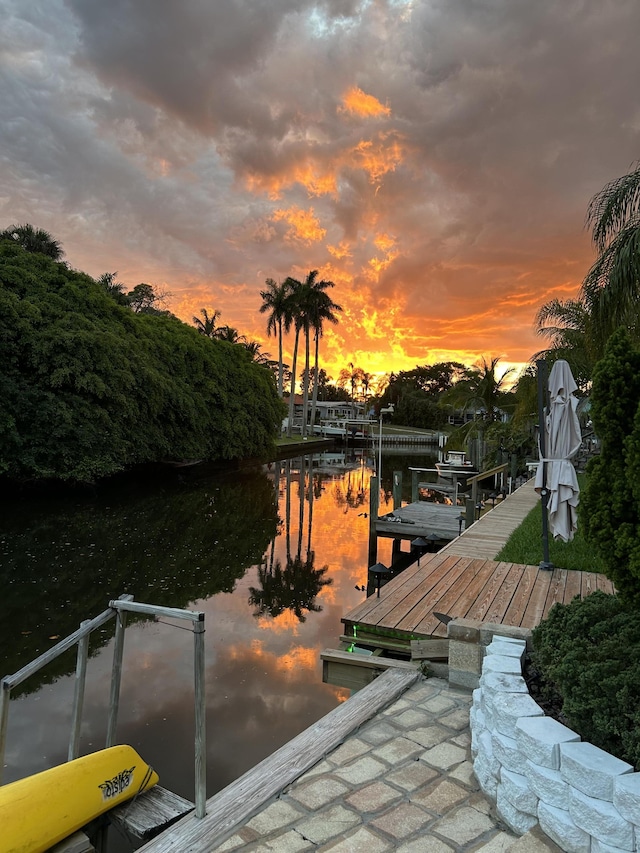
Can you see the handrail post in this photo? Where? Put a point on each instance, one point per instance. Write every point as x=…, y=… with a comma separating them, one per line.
x=116, y=677
x=78, y=694
x=5, y=698
x=374, y=504
x=201, y=708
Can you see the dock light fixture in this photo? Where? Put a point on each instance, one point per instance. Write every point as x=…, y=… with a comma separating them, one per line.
x=419, y=543
x=461, y=520
x=433, y=538
x=377, y=571
x=492, y=497
x=478, y=510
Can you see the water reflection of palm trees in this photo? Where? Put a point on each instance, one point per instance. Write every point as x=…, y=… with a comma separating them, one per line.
x=296, y=586
x=354, y=495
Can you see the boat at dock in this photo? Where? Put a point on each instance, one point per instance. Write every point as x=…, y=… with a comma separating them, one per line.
x=455, y=462
x=338, y=430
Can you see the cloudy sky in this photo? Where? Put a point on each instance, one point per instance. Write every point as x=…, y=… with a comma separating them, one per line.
x=433, y=158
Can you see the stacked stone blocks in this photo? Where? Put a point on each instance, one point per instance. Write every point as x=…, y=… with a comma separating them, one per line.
x=538, y=771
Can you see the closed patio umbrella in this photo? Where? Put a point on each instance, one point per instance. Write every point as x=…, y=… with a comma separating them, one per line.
x=562, y=441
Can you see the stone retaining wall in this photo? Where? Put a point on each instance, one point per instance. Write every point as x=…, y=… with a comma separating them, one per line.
x=538, y=771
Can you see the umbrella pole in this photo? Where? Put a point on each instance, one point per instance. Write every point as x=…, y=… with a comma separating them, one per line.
x=544, y=492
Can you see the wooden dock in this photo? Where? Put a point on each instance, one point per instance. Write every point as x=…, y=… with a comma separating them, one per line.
x=463, y=587
x=420, y=518
x=486, y=537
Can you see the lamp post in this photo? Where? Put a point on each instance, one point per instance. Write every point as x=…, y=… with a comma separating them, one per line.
x=388, y=410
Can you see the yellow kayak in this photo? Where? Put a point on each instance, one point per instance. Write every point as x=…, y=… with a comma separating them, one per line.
x=39, y=811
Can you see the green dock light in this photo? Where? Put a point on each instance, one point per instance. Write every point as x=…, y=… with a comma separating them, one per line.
x=377, y=571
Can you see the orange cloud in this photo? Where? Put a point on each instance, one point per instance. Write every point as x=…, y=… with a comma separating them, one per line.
x=357, y=102
x=304, y=225
x=378, y=156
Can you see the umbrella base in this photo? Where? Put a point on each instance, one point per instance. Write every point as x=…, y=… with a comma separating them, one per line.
x=547, y=567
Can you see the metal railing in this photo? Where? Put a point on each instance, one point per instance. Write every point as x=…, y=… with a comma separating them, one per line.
x=117, y=609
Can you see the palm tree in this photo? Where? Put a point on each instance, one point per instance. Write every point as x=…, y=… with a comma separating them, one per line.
x=208, y=326
x=297, y=294
x=275, y=300
x=254, y=348
x=366, y=382
x=481, y=389
x=321, y=309
x=568, y=327
x=229, y=334
x=33, y=240
x=610, y=289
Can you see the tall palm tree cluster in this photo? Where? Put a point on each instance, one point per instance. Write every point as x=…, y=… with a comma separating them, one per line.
x=304, y=306
x=578, y=329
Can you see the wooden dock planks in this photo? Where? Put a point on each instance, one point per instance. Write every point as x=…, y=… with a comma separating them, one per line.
x=479, y=589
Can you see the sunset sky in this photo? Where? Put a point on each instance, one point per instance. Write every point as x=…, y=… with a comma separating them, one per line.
x=433, y=158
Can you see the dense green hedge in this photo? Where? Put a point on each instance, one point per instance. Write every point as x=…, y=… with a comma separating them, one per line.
x=588, y=653
x=89, y=388
x=610, y=502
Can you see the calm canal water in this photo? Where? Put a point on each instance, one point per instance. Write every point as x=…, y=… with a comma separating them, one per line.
x=272, y=555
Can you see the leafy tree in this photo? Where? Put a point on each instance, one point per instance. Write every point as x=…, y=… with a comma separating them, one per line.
x=144, y=299
x=89, y=387
x=431, y=379
x=328, y=392
x=33, y=240
x=610, y=503
x=417, y=409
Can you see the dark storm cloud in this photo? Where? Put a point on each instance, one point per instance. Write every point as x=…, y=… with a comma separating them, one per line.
x=446, y=150
x=189, y=58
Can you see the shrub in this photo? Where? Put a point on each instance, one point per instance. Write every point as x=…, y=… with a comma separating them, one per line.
x=609, y=510
x=588, y=654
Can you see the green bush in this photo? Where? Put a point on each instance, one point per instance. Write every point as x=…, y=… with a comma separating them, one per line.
x=588, y=654
x=89, y=388
x=609, y=511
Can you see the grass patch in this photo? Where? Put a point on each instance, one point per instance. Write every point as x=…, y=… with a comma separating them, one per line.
x=525, y=546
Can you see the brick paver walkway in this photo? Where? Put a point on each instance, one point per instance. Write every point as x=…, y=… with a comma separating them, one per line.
x=403, y=782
